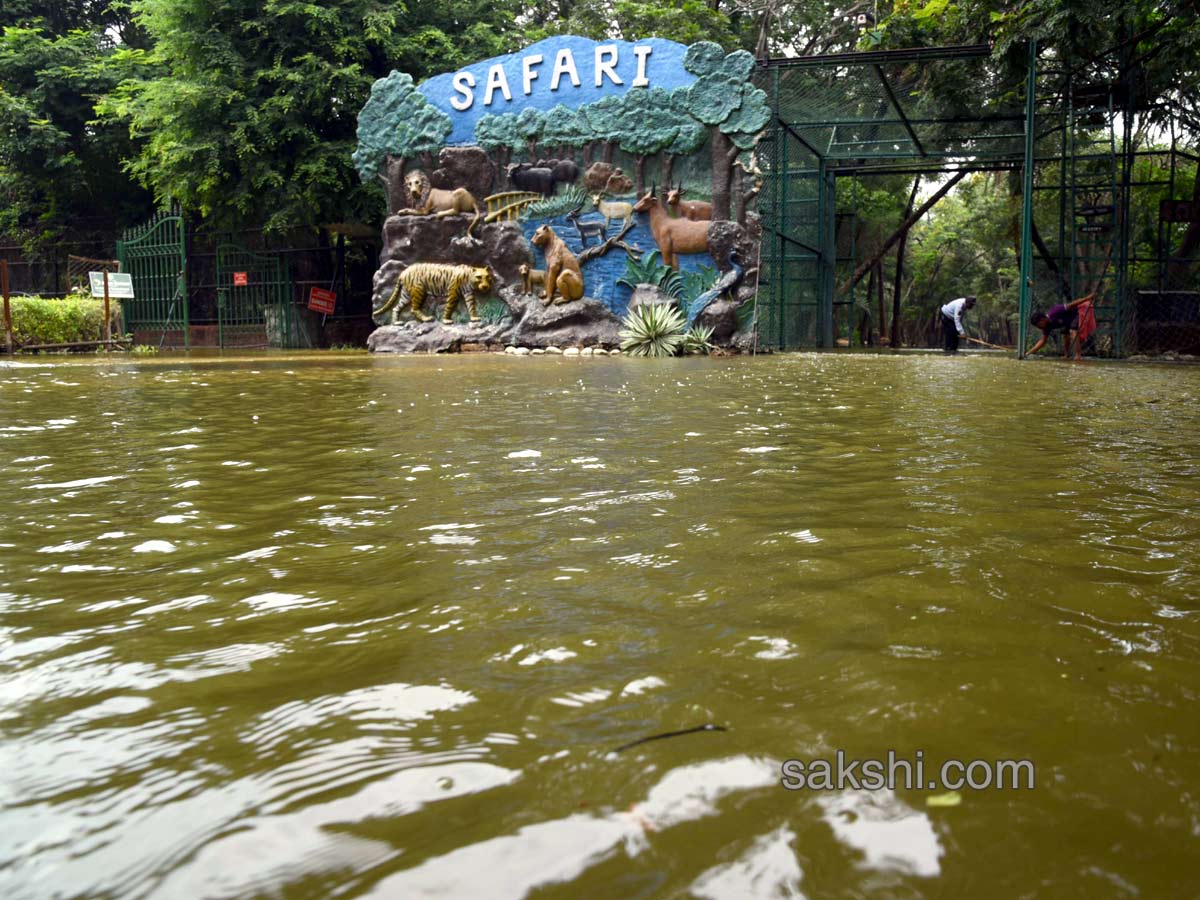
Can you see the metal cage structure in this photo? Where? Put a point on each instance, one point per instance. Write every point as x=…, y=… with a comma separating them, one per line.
x=1067, y=135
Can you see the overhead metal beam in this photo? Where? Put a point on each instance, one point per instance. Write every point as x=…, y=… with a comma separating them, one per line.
x=790, y=130
x=891, y=95
x=871, y=57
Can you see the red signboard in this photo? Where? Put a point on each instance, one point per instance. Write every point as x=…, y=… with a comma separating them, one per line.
x=321, y=300
x=240, y=279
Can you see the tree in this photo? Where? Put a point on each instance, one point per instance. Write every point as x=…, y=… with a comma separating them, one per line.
x=564, y=130
x=250, y=114
x=723, y=98
x=688, y=139
x=649, y=125
x=396, y=125
x=528, y=128
x=605, y=119
x=60, y=170
x=498, y=135
x=686, y=21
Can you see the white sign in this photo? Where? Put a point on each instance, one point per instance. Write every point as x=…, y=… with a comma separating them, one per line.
x=120, y=285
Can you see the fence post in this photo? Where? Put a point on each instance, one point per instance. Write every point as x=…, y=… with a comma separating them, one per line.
x=107, y=319
x=8, y=338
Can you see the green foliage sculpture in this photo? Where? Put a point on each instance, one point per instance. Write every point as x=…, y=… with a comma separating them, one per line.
x=564, y=130
x=498, y=136
x=528, y=127
x=735, y=111
x=649, y=125
x=395, y=125
x=605, y=119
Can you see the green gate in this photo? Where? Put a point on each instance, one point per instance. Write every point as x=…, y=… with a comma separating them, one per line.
x=154, y=254
x=254, y=300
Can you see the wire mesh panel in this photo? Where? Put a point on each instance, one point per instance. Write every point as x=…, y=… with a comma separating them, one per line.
x=792, y=201
x=252, y=287
x=153, y=253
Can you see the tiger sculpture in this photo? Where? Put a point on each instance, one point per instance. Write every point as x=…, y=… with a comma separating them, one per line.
x=447, y=280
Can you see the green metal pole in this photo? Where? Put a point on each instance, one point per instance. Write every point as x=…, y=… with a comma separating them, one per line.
x=1027, y=202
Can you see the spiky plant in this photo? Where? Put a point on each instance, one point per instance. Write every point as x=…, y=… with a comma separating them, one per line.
x=558, y=205
x=650, y=270
x=698, y=340
x=652, y=330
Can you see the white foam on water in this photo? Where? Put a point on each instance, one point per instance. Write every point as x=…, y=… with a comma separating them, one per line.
x=891, y=835
x=154, y=547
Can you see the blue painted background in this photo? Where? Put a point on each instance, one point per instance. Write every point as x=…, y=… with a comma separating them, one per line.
x=600, y=275
x=664, y=69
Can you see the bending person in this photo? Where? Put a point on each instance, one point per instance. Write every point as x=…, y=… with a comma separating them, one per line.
x=952, y=321
x=1062, y=317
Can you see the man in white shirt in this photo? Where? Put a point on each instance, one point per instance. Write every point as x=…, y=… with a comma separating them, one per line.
x=952, y=321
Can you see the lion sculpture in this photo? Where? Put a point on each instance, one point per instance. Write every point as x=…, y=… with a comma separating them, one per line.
x=427, y=200
x=563, y=274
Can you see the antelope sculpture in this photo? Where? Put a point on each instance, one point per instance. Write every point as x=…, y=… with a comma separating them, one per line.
x=696, y=210
x=673, y=236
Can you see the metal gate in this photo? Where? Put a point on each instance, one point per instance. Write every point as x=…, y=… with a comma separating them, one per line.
x=254, y=300
x=154, y=254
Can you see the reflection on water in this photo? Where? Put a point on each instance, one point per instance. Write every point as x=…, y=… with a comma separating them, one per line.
x=313, y=626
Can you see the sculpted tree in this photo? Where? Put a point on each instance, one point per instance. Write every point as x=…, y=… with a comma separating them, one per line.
x=396, y=125
x=605, y=119
x=529, y=129
x=565, y=130
x=498, y=136
x=649, y=125
x=723, y=98
x=688, y=139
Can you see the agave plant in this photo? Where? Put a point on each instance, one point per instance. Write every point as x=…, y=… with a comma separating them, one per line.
x=698, y=340
x=652, y=330
x=650, y=270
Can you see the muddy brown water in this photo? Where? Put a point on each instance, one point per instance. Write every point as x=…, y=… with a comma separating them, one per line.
x=312, y=626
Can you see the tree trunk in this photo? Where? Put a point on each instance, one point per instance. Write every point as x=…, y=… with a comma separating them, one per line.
x=864, y=335
x=895, y=333
x=1180, y=265
x=879, y=299
x=723, y=155
x=903, y=229
x=739, y=194
x=639, y=173
x=393, y=183
x=588, y=149
x=608, y=152
x=668, y=168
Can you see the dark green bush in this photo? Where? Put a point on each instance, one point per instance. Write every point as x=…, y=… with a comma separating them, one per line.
x=38, y=320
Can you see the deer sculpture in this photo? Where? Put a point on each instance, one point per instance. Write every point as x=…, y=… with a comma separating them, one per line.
x=612, y=209
x=696, y=210
x=673, y=236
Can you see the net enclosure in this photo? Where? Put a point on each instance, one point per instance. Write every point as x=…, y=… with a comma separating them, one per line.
x=1103, y=200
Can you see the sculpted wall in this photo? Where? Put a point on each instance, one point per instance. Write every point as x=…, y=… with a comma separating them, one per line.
x=532, y=195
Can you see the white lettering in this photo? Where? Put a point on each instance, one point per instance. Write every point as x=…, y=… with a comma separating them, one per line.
x=496, y=79
x=642, y=54
x=606, y=64
x=463, y=83
x=527, y=73
x=564, y=63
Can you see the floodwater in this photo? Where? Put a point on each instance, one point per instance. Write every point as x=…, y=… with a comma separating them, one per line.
x=344, y=626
